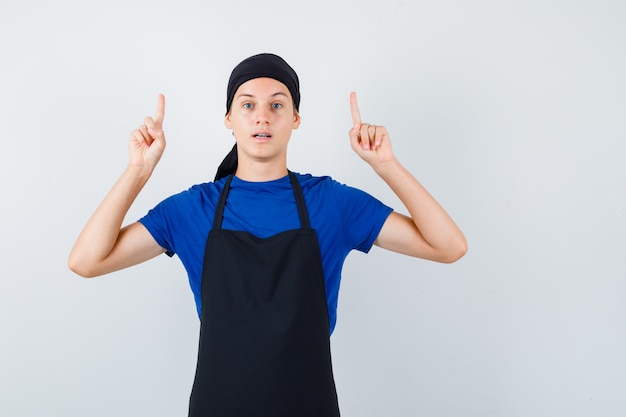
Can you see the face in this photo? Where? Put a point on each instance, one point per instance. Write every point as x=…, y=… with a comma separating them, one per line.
x=262, y=117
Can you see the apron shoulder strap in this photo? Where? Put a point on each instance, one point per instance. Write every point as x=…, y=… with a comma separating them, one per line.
x=297, y=190
x=221, y=203
x=302, y=210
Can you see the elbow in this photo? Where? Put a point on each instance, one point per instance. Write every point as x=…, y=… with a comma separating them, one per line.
x=80, y=268
x=80, y=271
x=455, y=252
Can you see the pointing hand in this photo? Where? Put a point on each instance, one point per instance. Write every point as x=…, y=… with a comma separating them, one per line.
x=370, y=142
x=147, y=142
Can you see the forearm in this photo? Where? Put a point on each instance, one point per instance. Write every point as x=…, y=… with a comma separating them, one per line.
x=98, y=237
x=429, y=232
x=433, y=223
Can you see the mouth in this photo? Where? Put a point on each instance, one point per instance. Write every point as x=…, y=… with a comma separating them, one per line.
x=262, y=137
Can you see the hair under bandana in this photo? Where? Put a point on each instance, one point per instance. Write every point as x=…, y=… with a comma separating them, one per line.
x=257, y=66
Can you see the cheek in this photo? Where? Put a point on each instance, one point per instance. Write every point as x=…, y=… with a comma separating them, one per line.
x=237, y=120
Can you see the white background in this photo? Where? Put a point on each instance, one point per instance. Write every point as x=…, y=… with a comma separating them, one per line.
x=511, y=113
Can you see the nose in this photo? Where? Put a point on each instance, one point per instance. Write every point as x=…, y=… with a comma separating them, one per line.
x=262, y=115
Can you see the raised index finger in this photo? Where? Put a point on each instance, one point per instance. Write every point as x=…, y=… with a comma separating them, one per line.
x=354, y=109
x=160, y=111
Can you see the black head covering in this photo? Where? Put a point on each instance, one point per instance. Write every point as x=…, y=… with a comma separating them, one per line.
x=260, y=66
x=257, y=66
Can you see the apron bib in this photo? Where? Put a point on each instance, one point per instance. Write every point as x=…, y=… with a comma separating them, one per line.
x=264, y=336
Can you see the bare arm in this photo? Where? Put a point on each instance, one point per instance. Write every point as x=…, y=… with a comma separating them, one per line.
x=429, y=232
x=104, y=246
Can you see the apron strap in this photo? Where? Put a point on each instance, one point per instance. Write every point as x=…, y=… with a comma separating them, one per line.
x=219, y=210
x=302, y=210
x=297, y=191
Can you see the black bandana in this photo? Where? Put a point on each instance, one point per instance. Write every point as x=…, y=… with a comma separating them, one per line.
x=260, y=66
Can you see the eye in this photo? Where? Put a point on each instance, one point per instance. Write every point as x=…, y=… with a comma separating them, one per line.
x=277, y=106
x=247, y=105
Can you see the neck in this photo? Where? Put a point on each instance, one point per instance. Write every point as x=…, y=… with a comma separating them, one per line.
x=257, y=171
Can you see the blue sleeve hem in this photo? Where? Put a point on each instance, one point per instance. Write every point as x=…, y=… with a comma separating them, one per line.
x=149, y=226
x=376, y=231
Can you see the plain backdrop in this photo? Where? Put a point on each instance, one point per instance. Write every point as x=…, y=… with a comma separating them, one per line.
x=512, y=114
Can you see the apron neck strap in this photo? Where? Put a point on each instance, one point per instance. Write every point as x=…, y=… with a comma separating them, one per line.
x=297, y=191
x=302, y=211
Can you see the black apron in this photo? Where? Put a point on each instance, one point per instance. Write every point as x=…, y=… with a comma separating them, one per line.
x=264, y=336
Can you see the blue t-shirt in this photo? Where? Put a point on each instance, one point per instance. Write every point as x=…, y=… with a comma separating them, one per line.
x=343, y=217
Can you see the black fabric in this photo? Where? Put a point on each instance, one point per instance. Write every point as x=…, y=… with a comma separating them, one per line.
x=260, y=66
x=264, y=341
x=228, y=165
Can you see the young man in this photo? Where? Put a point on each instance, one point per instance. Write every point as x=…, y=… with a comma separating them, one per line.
x=264, y=246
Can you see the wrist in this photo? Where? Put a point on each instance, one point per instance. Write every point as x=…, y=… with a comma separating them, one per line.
x=383, y=168
x=139, y=172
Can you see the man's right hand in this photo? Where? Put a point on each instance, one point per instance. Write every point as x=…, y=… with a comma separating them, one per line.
x=147, y=142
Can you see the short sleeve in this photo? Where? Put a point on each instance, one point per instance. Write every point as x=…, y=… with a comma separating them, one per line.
x=156, y=221
x=362, y=215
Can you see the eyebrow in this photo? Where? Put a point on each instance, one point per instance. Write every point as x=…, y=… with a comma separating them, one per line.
x=279, y=93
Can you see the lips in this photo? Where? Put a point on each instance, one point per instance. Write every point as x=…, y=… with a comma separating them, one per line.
x=262, y=137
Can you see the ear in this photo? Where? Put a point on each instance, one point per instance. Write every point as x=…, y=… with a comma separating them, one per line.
x=296, y=119
x=227, y=122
